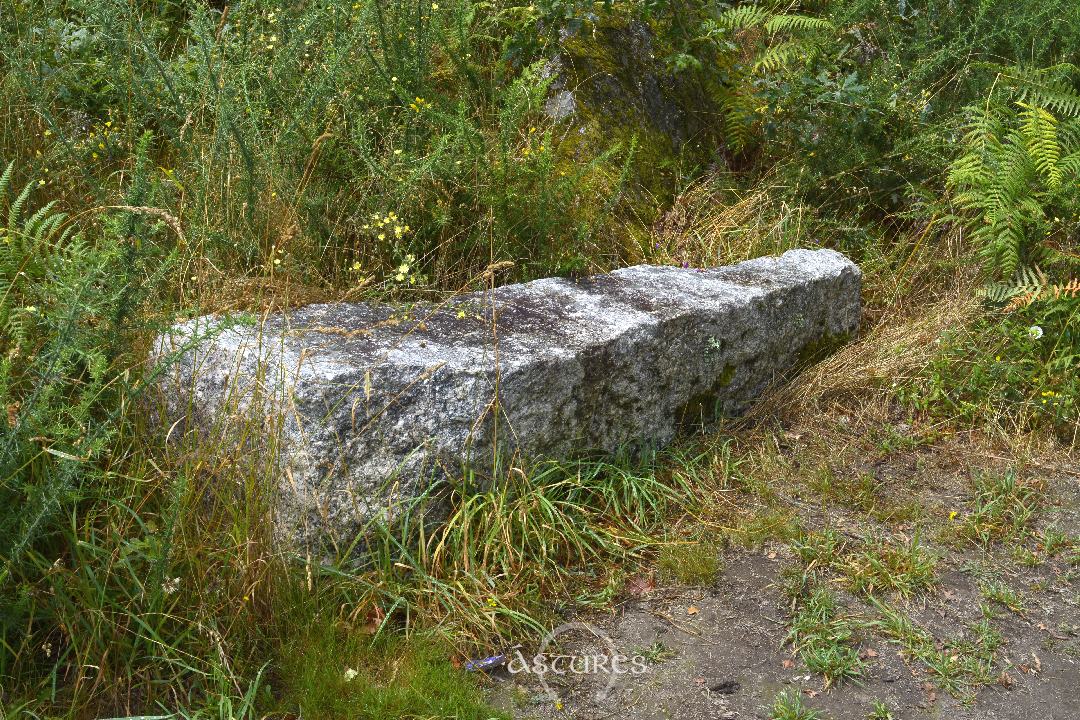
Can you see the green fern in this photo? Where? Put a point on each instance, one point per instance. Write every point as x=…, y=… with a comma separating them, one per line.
x=53, y=291
x=795, y=23
x=743, y=17
x=32, y=249
x=1039, y=130
x=1050, y=87
x=1027, y=280
x=775, y=41
x=781, y=55
x=1019, y=166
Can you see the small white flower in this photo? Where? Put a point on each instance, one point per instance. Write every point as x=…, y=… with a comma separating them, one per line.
x=350, y=674
x=1035, y=332
x=170, y=585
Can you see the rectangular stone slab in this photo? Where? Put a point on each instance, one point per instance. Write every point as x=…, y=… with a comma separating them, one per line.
x=355, y=408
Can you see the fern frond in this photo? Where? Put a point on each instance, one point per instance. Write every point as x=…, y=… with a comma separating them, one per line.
x=742, y=18
x=1039, y=128
x=33, y=227
x=1057, y=291
x=16, y=208
x=782, y=55
x=738, y=113
x=795, y=23
x=5, y=182
x=1046, y=87
x=1070, y=164
x=1027, y=280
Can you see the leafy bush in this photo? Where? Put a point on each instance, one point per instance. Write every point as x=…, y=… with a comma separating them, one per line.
x=1015, y=190
x=1008, y=370
x=873, y=122
x=299, y=132
x=742, y=46
x=66, y=306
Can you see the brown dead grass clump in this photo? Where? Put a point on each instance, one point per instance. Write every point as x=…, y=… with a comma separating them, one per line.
x=864, y=371
x=712, y=224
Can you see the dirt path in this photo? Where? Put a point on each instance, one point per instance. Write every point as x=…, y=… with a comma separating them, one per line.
x=994, y=627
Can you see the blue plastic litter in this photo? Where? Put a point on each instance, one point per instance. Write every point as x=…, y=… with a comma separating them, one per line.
x=488, y=663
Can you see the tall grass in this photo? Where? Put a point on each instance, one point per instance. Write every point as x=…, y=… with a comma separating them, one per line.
x=141, y=576
x=181, y=156
x=184, y=156
x=552, y=530
x=329, y=145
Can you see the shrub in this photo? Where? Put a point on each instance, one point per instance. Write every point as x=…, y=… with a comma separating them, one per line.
x=67, y=301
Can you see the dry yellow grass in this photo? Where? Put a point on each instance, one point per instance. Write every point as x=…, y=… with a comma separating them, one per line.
x=864, y=371
x=710, y=225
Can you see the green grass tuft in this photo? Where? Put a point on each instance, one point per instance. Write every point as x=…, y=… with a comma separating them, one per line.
x=328, y=673
x=695, y=563
x=789, y=705
x=824, y=638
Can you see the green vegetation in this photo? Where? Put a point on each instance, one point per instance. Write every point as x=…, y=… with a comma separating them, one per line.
x=956, y=666
x=690, y=564
x=789, y=705
x=824, y=639
x=159, y=160
x=999, y=592
x=888, y=565
x=880, y=711
x=1002, y=509
x=872, y=564
x=331, y=674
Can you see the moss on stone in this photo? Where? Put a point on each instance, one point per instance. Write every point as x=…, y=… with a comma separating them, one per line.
x=821, y=348
x=625, y=97
x=705, y=407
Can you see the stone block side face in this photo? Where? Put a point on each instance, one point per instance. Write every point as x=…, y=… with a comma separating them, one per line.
x=352, y=410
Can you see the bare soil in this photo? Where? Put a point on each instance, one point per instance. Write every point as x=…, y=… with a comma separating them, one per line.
x=722, y=650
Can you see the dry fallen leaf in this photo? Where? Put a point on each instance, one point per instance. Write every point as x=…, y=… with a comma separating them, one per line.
x=641, y=585
x=373, y=620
